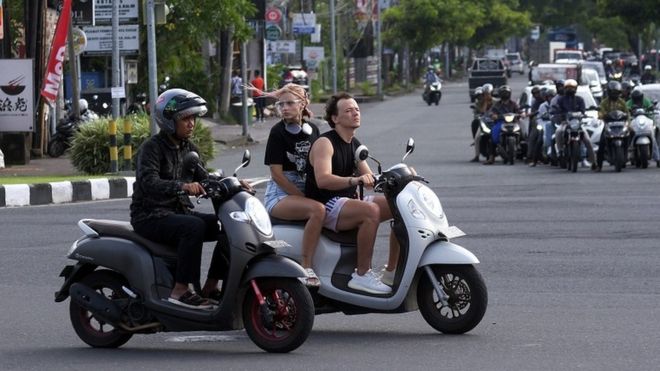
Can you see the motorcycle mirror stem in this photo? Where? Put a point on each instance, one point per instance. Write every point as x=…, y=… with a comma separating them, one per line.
x=245, y=162
x=410, y=147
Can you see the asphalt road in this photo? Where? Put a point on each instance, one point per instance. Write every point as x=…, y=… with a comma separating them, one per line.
x=570, y=261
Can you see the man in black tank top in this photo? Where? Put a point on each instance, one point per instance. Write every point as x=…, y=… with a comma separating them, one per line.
x=332, y=178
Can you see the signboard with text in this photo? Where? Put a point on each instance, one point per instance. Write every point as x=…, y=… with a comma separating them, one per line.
x=282, y=46
x=16, y=95
x=303, y=23
x=128, y=11
x=99, y=39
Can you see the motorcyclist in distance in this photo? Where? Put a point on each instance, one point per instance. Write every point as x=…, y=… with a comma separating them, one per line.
x=613, y=102
x=430, y=78
x=609, y=69
x=570, y=102
x=647, y=77
x=501, y=107
x=626, y=89
x=478, y=96
x=638, y=100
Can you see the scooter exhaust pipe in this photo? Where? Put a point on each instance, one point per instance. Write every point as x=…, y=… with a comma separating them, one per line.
x=101, y=307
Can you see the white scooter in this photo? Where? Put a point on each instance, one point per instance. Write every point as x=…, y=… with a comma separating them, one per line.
x=643, y=143
x=433, y=274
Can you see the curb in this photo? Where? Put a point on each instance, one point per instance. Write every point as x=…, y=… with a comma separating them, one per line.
x=14, y=195
x=18, y=195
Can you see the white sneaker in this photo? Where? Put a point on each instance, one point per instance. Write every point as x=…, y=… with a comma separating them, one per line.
x=387, y=277
x=369, y=282
x=586, y=163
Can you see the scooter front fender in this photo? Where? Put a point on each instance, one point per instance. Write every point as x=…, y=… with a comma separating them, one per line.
x=642, y=140
x=443, y=252
x=273, y=266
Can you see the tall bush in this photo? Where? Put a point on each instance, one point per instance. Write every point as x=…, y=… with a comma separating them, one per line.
x=90, y=149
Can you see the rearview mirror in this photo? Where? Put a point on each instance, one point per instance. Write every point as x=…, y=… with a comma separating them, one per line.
x=361, y=153
x=410, y=147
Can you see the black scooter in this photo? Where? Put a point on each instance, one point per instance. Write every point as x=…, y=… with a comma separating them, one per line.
x=121, y=281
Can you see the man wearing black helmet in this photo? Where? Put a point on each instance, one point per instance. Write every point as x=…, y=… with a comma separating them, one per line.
x=159, y=209
x=567, y=103
x=503, y=106
x=613, y=102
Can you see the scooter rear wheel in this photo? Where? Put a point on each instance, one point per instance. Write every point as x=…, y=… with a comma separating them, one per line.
x=287, y=318
x=91, y=330
x=467, y=298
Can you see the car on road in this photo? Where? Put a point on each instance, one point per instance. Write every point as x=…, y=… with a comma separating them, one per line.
x=590, y=78
x=486, y=70
x=515, y=63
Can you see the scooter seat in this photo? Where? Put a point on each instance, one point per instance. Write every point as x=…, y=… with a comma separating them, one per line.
x=343, y=237
x=115, y=228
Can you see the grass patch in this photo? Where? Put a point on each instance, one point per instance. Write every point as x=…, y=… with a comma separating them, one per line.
x=4, y=180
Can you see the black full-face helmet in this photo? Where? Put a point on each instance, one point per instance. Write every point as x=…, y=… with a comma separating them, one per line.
x=174, y=104
x=613, y=89
x=504, y=92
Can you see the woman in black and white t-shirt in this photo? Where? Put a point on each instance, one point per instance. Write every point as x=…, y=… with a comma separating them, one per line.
x=287, y=150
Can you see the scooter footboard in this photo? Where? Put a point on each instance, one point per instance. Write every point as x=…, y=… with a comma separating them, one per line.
x=443, y=252
x=273, y=266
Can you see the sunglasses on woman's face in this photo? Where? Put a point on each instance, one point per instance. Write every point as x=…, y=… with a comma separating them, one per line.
x=287, y=103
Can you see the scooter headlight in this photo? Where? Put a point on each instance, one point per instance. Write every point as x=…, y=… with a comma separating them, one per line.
x=430, y=201
x=255, y=212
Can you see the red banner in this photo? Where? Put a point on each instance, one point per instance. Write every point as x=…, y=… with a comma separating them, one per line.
x=56, y=60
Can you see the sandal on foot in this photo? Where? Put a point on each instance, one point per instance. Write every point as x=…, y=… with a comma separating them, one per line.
x=312, y=279
x=214, y=297
x=191, y=300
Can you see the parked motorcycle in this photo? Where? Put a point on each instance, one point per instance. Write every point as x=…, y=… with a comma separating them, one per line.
x=121, y=281
x=433, y=93
x=510, y=136
x=66, y=129
x=434, y=275
x=616, y=135
x=642, y=142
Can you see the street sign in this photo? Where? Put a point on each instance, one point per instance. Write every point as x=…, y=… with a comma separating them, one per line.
x=128, y=11
x=82, y=13
x=16, y=95
x=303, y=23
x=273, y=32
x=79, y=41
x=273, y=15
x=99, y=39
x=282, y=46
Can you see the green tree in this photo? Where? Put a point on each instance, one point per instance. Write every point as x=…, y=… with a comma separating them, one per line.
x=504, y=20
x=179, y=43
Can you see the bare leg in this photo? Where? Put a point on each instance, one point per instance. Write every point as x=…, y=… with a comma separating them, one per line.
x=386, y=214
x=301, y=208
x=366, y=217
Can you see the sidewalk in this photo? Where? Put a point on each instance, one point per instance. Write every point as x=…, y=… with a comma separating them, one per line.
x=103, y=188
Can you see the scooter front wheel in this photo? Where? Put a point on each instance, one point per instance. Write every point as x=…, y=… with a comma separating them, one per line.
x=466, y=299
x=285, y=319
x=56, y=147
x=93, y=331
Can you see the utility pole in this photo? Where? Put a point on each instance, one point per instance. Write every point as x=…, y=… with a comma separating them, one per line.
x=151, y=56
x=333, y=46
x=379, y=51
x=115, y=58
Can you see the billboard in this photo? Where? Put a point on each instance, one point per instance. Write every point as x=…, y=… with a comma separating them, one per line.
x=16, y=95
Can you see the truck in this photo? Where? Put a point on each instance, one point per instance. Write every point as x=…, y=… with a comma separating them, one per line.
x=554, y=72
x=484, y=71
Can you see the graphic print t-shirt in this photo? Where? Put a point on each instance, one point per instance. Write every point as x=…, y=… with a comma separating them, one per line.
x=289, y=150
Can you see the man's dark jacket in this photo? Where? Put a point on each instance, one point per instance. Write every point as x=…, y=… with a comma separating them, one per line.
x=157, y=191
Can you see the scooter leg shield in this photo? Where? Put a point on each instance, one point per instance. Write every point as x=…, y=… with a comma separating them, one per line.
x=443, y=252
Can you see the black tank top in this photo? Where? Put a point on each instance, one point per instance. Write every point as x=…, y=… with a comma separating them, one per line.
x=343, y=164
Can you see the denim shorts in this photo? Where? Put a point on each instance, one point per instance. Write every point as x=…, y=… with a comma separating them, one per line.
x=274, y=193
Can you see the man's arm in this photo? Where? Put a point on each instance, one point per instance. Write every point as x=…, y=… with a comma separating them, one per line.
x=320, y=156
